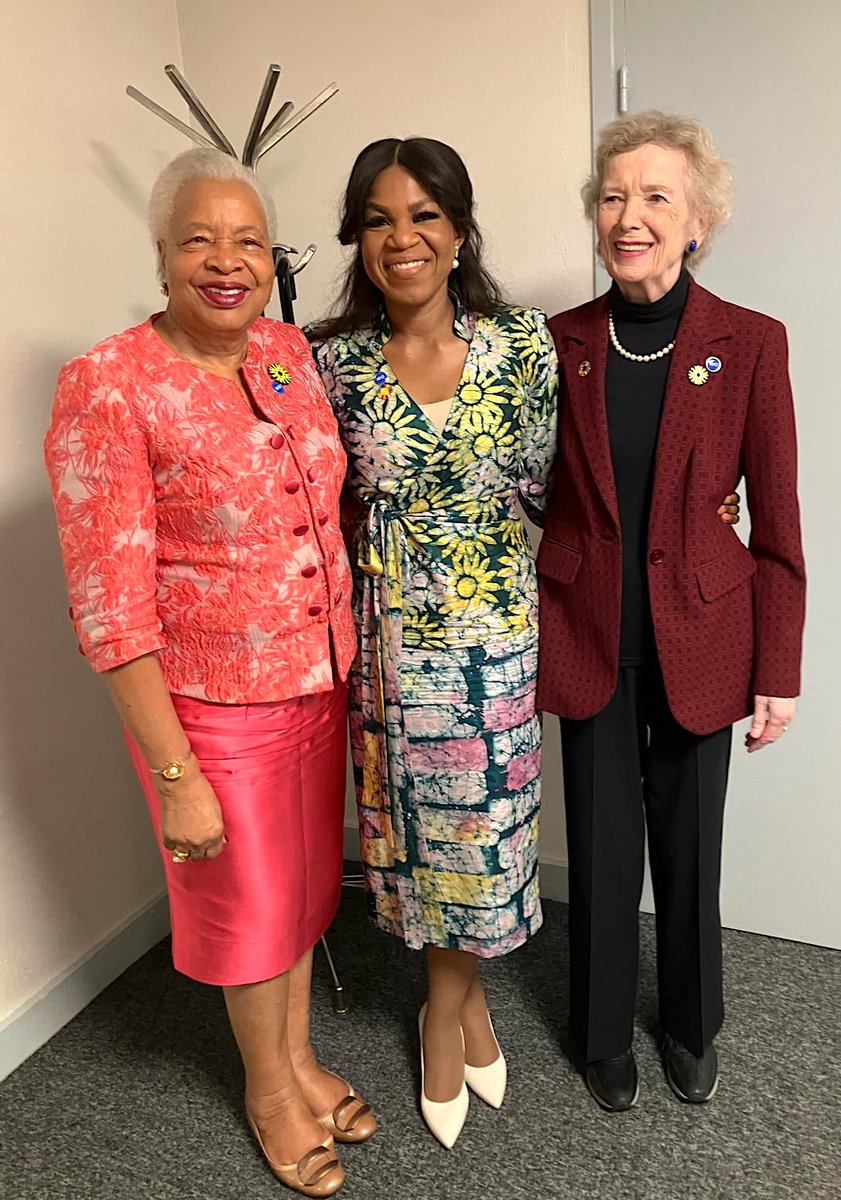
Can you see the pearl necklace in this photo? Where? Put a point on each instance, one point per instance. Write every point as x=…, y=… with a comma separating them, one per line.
x=620, y=349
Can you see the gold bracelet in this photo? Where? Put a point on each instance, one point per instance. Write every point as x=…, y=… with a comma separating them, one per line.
x=174, y=769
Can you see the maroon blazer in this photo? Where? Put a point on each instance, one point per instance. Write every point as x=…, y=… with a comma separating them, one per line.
x=728, y=621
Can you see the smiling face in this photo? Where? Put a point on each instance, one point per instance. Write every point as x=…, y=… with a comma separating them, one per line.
x=217, y=259
x=408, y=241
x=646, y=220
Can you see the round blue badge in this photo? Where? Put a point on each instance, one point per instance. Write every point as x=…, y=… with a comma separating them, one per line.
x=278, y=387
x=380, y=378
x=713, y=364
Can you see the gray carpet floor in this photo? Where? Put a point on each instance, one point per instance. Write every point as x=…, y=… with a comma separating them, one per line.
x=139, y=1098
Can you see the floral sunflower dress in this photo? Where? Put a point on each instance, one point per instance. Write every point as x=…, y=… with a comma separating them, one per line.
x=444, y=733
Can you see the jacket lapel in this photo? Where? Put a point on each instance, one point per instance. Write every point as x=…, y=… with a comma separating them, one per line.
x=703, y=324
x=583, y=368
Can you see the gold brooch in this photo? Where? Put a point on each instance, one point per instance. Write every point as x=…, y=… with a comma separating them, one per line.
x=584, y=369
x=698, y=375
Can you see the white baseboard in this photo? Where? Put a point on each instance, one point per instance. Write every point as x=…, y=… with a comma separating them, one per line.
x=33, y=1024
x=27, y=1029
x=554, y=875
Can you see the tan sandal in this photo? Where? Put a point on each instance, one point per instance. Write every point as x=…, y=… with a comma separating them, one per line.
x=352, y=1121
x=319, y=1173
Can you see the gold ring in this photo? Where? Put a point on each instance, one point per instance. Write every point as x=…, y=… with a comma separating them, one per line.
x=180, y=856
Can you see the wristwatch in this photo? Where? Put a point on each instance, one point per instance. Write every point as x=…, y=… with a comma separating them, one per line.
x=174, y=769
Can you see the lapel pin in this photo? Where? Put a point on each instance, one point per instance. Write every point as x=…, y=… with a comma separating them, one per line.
x=698, y=375
x=280, y=377
x=584, y=369
x=713, y=364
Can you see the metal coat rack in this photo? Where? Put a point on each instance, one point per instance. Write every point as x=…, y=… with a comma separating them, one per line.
x=261, y=138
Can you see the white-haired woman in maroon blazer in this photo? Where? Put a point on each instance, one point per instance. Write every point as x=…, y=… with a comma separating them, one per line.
x=659, y=628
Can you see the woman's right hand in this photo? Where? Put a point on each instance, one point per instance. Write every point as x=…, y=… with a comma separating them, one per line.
x=191, y=816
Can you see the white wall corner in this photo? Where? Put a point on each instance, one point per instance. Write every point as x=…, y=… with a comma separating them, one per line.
x=33, y=1024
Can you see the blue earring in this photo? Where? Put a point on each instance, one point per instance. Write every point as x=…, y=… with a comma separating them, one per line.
x=692, y=247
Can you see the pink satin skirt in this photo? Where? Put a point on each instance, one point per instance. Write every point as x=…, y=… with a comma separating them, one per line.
x=279, y=773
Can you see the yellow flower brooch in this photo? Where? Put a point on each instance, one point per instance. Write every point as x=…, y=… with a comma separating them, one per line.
x=279, y=376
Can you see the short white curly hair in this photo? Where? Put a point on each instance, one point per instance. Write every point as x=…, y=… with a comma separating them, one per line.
x=201, y=163
x=710, y=177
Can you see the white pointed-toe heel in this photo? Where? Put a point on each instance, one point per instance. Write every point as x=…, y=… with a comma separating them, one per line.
x=489, y=1082
x=444, y=1118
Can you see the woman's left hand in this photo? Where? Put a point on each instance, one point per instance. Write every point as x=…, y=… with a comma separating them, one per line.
x=771, y=718
x=729, y=511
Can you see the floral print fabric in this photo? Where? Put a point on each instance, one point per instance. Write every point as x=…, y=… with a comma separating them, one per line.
x=194, y=529
x=444, y=733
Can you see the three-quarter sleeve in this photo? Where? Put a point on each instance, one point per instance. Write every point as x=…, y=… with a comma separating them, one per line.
x=769, y=465
x=103, y=492
x=539, y=420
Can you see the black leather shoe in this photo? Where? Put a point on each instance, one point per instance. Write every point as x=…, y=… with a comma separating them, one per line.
x=614, y=1082
x=694, y=1080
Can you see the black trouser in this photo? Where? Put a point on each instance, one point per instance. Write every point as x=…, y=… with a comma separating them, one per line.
x=630, y=766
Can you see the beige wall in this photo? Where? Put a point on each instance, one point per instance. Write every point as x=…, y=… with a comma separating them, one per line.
x=512, y=96
x=76, y=857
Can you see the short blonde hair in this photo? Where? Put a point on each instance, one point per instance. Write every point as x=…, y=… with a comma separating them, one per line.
x=710, y=178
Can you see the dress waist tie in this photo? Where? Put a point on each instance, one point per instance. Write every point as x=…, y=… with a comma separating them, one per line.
x=388, y=783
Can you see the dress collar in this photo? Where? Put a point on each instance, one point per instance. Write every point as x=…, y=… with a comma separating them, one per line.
x=464, y=322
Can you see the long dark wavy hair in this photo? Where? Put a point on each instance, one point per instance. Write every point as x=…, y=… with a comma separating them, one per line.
x=441, y=171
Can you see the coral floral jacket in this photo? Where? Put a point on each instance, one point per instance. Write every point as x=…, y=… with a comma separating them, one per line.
x=192, y=529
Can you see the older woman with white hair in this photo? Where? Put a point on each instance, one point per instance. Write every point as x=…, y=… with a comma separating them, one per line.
x=658, y=627
x=196, y=471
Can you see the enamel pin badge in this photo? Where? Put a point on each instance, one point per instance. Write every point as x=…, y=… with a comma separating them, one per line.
x=699, y=375
x=279, y=376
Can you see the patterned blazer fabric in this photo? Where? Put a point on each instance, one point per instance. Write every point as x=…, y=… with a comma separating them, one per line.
x=728, y=619
x=192, y=528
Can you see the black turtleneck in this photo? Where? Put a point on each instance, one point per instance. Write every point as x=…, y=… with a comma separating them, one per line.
x=634, y=394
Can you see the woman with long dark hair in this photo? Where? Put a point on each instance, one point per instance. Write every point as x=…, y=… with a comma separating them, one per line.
x=446, y=402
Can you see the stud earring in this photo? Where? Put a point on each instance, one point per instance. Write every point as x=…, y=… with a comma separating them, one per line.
x=455, y=258
x=692, y=247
